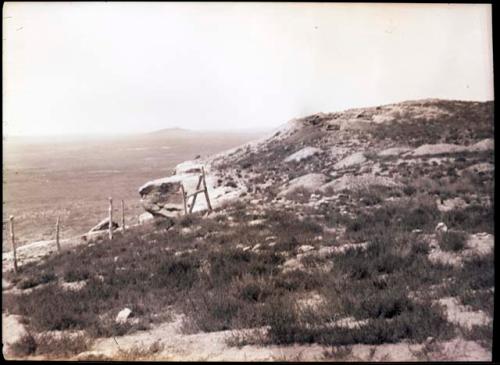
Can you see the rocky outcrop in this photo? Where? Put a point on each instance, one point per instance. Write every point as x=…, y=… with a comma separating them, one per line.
x=163, y=197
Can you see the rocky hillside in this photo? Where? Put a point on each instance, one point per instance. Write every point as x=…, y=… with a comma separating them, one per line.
x=358, y=235
x=392, y=145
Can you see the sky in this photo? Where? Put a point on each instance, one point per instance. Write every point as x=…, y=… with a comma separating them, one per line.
x=114, y=68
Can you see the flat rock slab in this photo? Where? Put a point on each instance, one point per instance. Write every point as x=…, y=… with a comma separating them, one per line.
x=310, y=182
x=438, y=149
x=393, y=151
x=12, y=331
x=463, y=316
x=450, y=204
x=303, y=154
x=484, y=145
x=357, y=182
x=353, y=160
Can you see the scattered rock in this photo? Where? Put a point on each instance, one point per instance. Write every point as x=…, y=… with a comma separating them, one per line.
x=74, y=286
x=145, y=217
x=256, y=222
x=394, y=151
x=357, y=182
x=256, y=247
x=292, y=264
x=463, y=315
x=484, y=145
x=441, y=227
x=350, y=322
x=303, y=154
x=310, y=182
x=481, y=243
x=450, y=204
x=438, y=149
x=6, y=285
x=352, y=160
x=12, y=331
x=123, y=315
x=186, y=230
x=481, y=167
x=311, y=301
x=305, y=248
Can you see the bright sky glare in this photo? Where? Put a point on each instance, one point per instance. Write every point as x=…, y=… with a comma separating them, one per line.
x=106, y=67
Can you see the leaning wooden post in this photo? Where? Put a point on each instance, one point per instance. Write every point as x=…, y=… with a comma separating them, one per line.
x=123, y=215
x=206, y=190
x=184, y=199
x=13, y=241
x=110, y=223
x=57, y=235
x=195, y=195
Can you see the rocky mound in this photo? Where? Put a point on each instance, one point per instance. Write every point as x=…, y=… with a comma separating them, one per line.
x=377, y=143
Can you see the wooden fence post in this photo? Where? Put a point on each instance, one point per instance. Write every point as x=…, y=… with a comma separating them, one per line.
x=123, y=215
x=195, y=195
x=184, y=199
x=206, y=190
x=13, y=242
x=57, y=235
x=110, y=223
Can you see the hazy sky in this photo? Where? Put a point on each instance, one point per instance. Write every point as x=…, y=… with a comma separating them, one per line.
x=128, y=67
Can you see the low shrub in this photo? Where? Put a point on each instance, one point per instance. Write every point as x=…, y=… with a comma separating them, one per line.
x=452, y=241
x=64, y=345
x=25, y=346
x=472, y=219
x=35, y=280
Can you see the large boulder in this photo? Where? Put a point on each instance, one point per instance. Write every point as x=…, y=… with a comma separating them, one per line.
x=163, y=197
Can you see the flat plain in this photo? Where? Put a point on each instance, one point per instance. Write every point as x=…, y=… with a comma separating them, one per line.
x=73, y=177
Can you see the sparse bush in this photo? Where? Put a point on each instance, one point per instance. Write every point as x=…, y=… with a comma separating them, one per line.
x=472, y=219
x=25, y=346
x=452, y=241
x=482, y=334
x=64, y=345
x=76, y=274
x=139, y=353
x=35, y=280
x=180, y=272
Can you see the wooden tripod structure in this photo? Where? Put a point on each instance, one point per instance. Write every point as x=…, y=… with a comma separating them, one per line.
x=185, y=196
